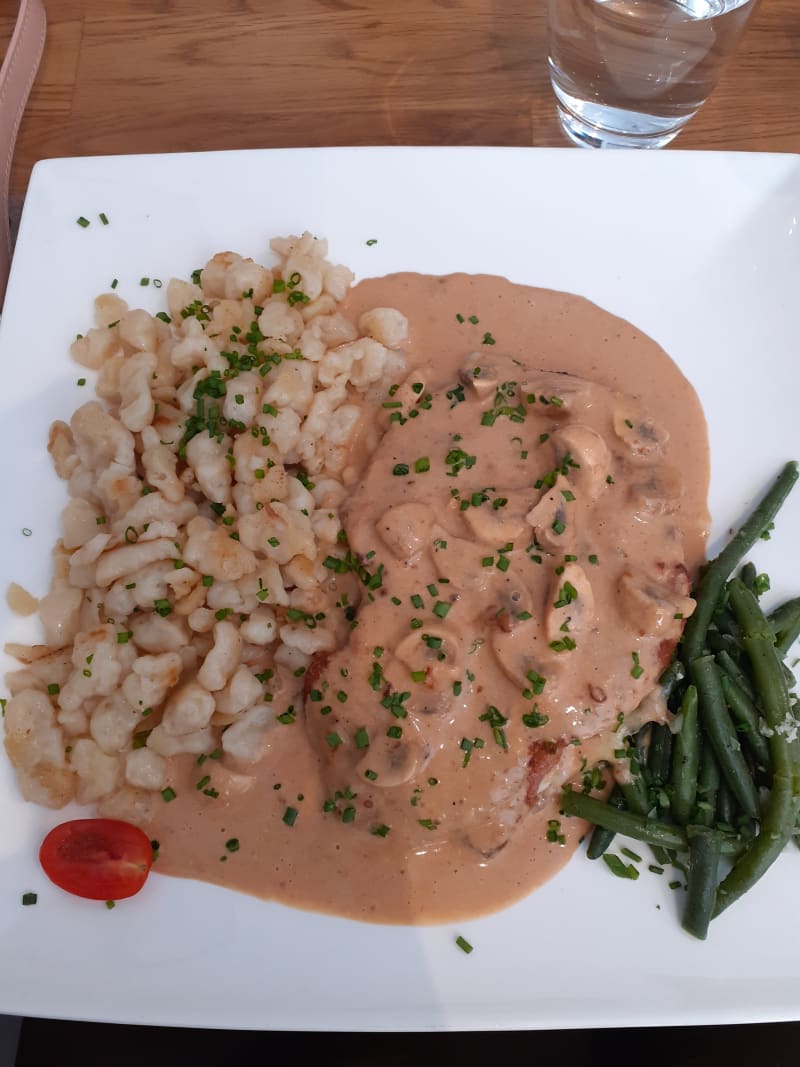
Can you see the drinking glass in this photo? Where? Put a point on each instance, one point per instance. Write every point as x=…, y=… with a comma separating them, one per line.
x=631, y=73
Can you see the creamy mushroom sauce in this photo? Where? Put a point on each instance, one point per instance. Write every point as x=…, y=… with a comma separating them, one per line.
x=531, y=533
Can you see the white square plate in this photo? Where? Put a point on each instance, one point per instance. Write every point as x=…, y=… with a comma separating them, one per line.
x=702, y=251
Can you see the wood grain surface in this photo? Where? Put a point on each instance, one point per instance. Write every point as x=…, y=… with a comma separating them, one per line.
x=179, y=75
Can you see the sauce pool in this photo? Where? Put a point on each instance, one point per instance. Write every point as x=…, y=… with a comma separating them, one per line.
x=267, y=834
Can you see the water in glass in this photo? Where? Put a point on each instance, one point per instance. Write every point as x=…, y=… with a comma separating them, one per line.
x=633, y=72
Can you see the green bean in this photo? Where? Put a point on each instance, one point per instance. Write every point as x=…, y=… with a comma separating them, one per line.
x=707, y=786
x=748, y=575
x=658, y=755
x=716, y=574
x=726, y=623
x=745, y=715
x=685, y=759
x=718, y=642
x=635, y=791
x=767, y=668
x=720, y=730
x=654, y=832
x=602, y=838
x=785, y=615
x=672, y=677
x=780, y=814
x=726, y=805
x=622, y=822
x=705, y=847
x=735, y=672
x=785, y=623
x=777, y=827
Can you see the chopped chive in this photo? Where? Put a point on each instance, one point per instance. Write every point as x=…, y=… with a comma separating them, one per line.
x=464, y=945
x=620, y=869
x=631, y=855
x=637, y=670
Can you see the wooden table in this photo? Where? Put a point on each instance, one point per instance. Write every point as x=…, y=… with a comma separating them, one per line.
x=180, y=75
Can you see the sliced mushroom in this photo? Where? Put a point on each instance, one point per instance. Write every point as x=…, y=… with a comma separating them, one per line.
x=405, y=529
x=591, y=460
x=519, y=652
x=480, y=374
x=657, y=490
x=570, y=603
x=551, y=518
x=496, y=526
x=393, y=762
x=435, y=650
x=514, y=604
x=652, y=606
x=558, y=393
x=460, y=561
x=636, y=429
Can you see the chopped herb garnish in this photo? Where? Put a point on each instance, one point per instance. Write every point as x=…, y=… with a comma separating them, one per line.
x=534, y=719
x=566, y=596
x=620, y=869
x=637, y=670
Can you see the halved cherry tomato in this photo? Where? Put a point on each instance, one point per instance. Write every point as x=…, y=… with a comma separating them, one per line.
x=101, y=859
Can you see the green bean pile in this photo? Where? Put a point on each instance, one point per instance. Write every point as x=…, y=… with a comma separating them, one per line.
x=718, y=787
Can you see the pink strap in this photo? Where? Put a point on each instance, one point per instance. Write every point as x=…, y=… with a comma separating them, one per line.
x=16, y=78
